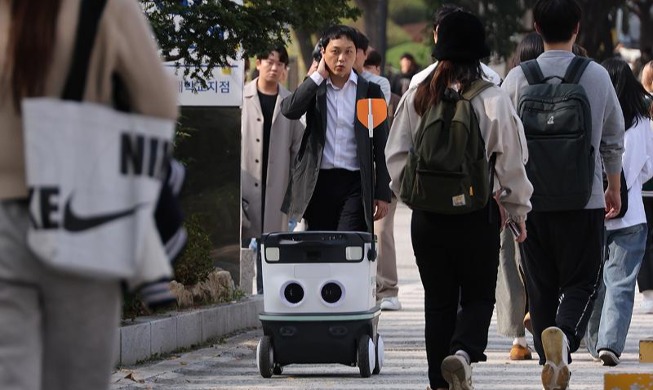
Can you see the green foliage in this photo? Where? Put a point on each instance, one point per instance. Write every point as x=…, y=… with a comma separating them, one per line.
x=502, y=19
x=408, y=11
x=209, y=34
x=317, y=15
x=396, y=34
x=195, y=262
x=420, y=51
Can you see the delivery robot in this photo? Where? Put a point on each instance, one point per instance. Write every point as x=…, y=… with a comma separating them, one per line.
x=319, y=302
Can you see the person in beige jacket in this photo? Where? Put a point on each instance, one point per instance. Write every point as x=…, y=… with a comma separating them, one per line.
x=58, y=331
x=458, y=255
x=270, y=142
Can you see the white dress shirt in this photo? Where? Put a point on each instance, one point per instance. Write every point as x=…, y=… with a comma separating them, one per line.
x=340, y=146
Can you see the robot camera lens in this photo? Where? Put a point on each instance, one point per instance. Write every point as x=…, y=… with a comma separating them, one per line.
x=294, y=293
x=331, y=292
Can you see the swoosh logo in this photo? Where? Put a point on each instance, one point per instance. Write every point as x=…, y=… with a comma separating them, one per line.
x=77, y=223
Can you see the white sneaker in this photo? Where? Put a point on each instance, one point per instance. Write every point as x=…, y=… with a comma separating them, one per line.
x=457, y=372
x=390, y=303
x=555, y=373
x=647, y=306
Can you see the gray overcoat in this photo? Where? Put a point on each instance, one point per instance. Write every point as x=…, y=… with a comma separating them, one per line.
x=285, y=138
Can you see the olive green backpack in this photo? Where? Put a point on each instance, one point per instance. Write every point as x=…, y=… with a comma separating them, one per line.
x=447, y=171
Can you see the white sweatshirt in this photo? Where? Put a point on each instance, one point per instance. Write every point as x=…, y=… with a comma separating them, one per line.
x=637, y=163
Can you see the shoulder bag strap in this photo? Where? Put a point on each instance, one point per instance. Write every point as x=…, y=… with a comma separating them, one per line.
x=475, y=88
x=90, y=13
x=532, y=71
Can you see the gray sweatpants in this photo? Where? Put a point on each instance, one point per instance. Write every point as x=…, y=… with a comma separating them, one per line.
x=57, y=331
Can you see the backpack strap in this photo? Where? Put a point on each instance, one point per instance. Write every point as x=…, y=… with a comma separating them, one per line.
x=532, y=71
x=576, y=69
x=475, y=88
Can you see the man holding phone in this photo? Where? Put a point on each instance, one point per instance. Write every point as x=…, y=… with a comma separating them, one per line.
x=340, y=180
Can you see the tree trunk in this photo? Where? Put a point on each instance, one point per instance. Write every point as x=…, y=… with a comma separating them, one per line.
x=595, y=26
x=375, y=15
x=306, y=46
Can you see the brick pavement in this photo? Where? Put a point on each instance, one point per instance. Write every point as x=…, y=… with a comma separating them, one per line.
x=232, y=364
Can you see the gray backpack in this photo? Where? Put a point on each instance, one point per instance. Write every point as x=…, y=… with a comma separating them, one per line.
x=558, y=127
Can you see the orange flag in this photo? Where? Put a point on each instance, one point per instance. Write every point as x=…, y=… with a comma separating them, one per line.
x=371, y=112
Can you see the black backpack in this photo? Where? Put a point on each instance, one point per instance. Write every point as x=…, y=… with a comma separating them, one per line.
x=447, y=170
x=558, y=127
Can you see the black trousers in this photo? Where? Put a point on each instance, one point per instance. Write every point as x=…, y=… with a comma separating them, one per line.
x=457, y=257
x=645, y=276
x=337, y=202
x=563, y=266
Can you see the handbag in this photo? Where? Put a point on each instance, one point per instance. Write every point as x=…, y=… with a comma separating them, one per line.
x=94, y=175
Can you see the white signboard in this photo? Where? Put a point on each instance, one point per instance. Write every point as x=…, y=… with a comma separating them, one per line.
x=224, y=88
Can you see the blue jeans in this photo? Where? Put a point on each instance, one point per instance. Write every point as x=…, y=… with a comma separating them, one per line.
x=613, y=308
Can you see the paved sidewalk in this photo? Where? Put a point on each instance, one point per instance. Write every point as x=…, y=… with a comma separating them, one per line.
x=232, y=364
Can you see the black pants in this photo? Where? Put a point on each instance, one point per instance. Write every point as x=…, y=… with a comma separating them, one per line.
x=645, y=276
x=457, y=257
x=337, y=202
x=562, y=263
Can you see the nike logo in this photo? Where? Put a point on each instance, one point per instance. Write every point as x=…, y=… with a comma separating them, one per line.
x=77, y=223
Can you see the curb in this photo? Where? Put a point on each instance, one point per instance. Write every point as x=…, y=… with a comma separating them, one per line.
x=148, y=337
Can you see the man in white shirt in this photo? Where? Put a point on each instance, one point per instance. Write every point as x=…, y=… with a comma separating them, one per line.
x=339, y=181
x=442, y=12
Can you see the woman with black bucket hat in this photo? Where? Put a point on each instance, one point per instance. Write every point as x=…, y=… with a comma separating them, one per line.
x=458, y=254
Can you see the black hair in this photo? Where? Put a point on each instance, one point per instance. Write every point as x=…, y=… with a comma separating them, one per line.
x=632, y=95
x=373, y=58
x=30, y=46
x=579, y=50
x=529, y=48
x=409, y=57
x=339, y=31
x=414, y=66
x=283, y=54
x=430, y=91
x=444, y=11
x=556, y=19
x=363, y=42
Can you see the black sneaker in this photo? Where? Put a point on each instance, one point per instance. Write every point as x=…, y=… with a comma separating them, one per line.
x=608, y=358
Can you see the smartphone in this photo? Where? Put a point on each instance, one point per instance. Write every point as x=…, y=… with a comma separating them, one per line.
x=514, y=228
x=317, y=52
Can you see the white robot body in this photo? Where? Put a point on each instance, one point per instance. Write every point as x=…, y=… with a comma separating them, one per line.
x=318, y=272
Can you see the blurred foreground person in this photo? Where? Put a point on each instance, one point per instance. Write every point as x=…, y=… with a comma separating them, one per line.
x=58, y=330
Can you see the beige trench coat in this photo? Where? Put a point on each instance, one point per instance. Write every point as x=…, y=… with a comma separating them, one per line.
x=285, y=139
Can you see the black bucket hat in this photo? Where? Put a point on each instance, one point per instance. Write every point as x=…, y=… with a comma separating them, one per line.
x=461, y=37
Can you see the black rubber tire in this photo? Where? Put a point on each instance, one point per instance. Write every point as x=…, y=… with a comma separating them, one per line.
x=264, y=357
x=363, y=356
x=277, y=369
x=378, y=365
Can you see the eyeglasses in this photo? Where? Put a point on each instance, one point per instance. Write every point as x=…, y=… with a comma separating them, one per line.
x=270, y=63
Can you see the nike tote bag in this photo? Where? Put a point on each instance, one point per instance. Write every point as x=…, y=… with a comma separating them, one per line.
x=94, y=175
